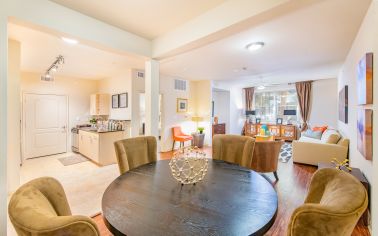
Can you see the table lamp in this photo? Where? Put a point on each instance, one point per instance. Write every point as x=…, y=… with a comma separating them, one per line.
x=197, y=119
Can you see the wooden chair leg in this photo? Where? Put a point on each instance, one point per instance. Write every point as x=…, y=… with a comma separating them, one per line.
x=275, y=175
x=173, y=145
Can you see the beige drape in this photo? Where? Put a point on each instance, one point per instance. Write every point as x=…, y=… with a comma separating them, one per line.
x=304, y=100
x=249, y=98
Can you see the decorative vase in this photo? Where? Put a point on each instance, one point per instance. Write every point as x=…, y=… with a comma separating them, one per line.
x=189, y=166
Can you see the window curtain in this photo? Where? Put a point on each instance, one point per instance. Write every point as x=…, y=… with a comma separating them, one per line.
x=249, y=98
x=304, y=101
x=248, y=103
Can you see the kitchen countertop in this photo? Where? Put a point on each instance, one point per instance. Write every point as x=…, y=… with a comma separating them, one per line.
x=92, y=130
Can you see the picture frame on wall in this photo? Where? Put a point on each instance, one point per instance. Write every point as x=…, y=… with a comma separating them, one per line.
x=365, y=80
x=343, y=104
x=115, y=101
x=365, y=132
x=279, y=121
x=182, y=105
x=123, y=100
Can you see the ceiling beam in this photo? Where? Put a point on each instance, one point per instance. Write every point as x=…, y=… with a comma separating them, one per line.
x=225, y=20
x=57, y=19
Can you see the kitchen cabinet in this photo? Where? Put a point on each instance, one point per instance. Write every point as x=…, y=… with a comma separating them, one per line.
x=99, y=104
x=99, y=146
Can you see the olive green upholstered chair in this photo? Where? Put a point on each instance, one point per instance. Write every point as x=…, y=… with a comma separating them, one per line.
x=334, y=204
x=40, y=208
x=233, y=149
x=134, y=152
x=265, y=156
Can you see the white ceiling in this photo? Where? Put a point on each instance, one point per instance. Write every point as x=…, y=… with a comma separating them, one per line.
x=309, y=43
x=39, y=50
x=146, y=18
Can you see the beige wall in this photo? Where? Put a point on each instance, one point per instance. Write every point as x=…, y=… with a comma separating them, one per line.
x=117, y=85
x=198, y=94
x=365, y=41
x=14, y=116
x=77, y=90
x=201, y=93
x=324, y=108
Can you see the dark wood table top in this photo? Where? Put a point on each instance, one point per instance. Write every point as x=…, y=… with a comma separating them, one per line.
x=231, y=200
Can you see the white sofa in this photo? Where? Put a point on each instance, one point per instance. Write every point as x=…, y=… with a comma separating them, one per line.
x=312, y=151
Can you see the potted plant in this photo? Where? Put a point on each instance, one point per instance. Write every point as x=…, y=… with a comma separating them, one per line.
x=200, y=129
x=93, y=121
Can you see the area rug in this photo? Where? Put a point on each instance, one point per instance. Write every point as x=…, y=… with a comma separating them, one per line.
x=71, y=160
x=286, y=152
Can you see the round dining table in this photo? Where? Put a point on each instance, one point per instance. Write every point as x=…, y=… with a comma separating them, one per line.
x=230, y=200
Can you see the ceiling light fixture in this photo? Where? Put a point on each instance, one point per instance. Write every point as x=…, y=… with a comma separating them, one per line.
x=261, y=87
x=255, y=46
x=70, y=41
x=54, y=67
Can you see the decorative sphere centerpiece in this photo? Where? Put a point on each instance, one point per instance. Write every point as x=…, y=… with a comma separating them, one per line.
x=189, y=165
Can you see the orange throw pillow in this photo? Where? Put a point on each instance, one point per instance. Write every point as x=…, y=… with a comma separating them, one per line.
x=320, y=128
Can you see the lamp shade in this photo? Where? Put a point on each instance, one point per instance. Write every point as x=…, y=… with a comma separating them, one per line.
x=197, y=118
x=252, y=113
x=290, y=112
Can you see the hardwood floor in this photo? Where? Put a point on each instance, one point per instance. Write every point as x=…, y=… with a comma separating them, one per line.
x=291, y=190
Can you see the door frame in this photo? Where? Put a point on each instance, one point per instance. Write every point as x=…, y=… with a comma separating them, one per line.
x=23, y=123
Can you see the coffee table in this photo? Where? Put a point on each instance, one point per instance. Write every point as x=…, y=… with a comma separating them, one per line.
x=231, y=200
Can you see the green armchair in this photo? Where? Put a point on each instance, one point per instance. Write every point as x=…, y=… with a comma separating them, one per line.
x=234, y=149
x=40, y=208
x=334, y=204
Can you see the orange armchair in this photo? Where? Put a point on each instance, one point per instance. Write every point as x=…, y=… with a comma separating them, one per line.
x=179, y=136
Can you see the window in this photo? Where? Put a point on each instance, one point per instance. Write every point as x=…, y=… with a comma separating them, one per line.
x=270, y=105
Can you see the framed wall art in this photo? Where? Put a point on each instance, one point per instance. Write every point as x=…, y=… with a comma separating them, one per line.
x=182, y=105
x=115, y=101
x=365, y=80
x=123, y=100
x=365, y=132
x=343, y=104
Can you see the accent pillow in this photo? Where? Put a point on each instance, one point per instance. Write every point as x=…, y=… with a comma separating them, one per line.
x=320, y=128
x=330, y=136
x=333, y=138
x=312, y=134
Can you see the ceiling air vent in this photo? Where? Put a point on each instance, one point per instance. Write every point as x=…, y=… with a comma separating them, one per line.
x=140, y=74
x=180, y=85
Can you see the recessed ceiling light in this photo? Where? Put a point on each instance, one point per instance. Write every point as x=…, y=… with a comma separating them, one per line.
x=255, y=46
x=70, y=41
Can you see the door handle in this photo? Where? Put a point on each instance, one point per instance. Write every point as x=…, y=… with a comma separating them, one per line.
x=64, y=128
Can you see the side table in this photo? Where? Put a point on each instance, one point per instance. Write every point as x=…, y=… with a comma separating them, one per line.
x=198, y=140
x=358, y=174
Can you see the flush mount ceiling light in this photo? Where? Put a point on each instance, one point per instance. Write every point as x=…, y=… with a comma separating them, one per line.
x=70, y=41
x=261, y=87
x=255, y=46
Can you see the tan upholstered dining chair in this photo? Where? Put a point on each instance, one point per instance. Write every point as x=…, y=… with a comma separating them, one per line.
x=234, y=149
x=334, y=204
x=265, y=156
x=134, y=152
x=40, y=208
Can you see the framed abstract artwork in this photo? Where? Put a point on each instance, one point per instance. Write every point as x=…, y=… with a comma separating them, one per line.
x=365, y=132
x=182, y=105
x=343, y=104
x=365, y=80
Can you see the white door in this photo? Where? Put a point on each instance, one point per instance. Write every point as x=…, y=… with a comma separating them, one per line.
x=45, y=124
